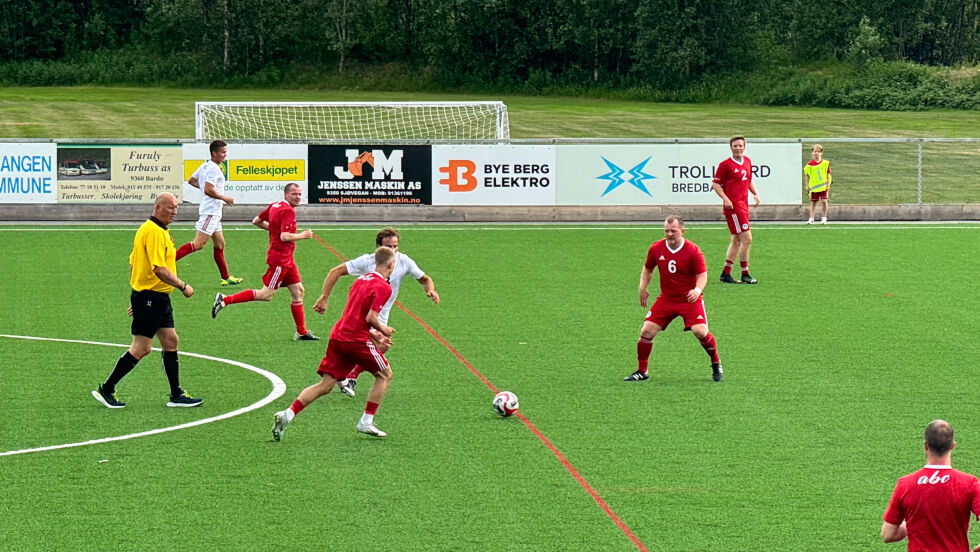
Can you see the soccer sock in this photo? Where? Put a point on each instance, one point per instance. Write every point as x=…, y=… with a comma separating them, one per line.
x=708, y=342
x=298, y=317
x=728, y=267
x=124, y=365
x=643, y=349
x=294, y=409
x=369, y=411
x=173, y=372
x=219, y=259
x=745, y=267
x=185, y=250
x=241, y=297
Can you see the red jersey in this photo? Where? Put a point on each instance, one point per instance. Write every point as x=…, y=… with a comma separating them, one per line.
x=281, y=218
x=678, y=269
x=734, y=179
x=369, y=293
x=935, y=503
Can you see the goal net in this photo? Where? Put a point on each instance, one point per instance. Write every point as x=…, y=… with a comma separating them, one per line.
x=351, y=121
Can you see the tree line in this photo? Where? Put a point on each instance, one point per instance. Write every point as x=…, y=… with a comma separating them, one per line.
x=664, y=44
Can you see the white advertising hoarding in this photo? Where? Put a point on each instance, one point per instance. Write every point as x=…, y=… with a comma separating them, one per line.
x=28, y=173
x=671, y=174
x=254, y=173
x=493, y=175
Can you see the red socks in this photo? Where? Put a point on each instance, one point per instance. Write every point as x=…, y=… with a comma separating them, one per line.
x=219, y=259
x=241, y=297
x=728, y=267
x=297, y=407
x=370, y=408
x=185, y=250
x=643, y=349
x=708, y=342
x=745, y=267
x=298, y=317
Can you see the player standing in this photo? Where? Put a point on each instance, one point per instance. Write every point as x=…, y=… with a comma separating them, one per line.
x=931, y=507
x=817, y=179
x=210, y=180
x=279, y=219
x=351, y=345
x=404, y=265
x=683, y=275
x=732, y=183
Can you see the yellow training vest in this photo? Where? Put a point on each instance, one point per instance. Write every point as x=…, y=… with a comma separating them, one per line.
x=819, y=176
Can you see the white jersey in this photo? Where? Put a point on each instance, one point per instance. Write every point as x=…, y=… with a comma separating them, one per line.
x=404, y=265
x=210, y=172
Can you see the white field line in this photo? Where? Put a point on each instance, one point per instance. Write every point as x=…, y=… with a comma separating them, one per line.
x=278, y=389
x=505, y=227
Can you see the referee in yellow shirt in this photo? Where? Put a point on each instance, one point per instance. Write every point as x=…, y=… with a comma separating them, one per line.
x=152, y=275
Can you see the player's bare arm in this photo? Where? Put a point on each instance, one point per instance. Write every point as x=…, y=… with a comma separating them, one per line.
x=165, y=275
x=430, y=288
x=194, y=182
x=263, y=224
x=721, y=193
x=699, y=284
x=211, y=191
x=893, y=533
x=645, y=276
x=755, y=193
x=291, y=237
x=328, y=283
x=375, y=322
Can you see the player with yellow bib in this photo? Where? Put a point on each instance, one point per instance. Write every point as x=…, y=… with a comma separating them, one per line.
x=817, y=179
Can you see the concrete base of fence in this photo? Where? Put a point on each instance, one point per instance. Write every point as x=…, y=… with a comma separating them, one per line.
x=313, y=214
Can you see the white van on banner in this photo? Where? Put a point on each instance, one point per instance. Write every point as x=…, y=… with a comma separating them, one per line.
x=28, y=173
x=672, y=174
x=254, y=173
x=493, y=175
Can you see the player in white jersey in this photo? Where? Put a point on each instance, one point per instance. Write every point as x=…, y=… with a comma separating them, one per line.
x=404, y=266
x=210, y=180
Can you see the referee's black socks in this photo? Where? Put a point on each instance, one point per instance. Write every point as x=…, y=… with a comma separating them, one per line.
x=124, y=365
x=173, y=372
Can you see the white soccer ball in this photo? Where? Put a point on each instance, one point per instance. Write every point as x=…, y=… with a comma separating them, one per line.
x=505, y=403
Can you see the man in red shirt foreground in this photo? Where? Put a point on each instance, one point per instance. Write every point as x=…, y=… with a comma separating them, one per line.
x=932, y=506
x=279, y=219
x=683, y=274
x=351, y=345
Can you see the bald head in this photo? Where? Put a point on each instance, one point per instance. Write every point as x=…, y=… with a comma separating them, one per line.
x=165, y=208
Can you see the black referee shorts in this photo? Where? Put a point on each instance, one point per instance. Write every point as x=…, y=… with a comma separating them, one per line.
x=151, y=311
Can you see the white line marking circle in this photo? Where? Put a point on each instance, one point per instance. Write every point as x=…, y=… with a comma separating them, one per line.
x=278, y=389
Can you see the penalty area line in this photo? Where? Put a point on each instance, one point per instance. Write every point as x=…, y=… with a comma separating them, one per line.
x=579, y=478
x=278, y=389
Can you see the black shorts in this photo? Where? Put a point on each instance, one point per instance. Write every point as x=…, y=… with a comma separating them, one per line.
x=151, y=311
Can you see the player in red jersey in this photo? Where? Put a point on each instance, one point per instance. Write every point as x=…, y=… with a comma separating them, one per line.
x=932, y=506
x=683, y=276
x=279, y=219
x=732, y=183
x=351, y=345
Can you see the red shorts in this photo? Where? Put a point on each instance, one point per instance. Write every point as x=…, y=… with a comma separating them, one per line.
x=664, y=311
x=738, y=219
x=342, y=356
x=278, y=276
x=816, y=196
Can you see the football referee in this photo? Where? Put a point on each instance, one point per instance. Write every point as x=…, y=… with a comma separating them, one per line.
x=152, y=275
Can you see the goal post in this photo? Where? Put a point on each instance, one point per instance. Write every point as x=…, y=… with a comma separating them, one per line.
x=334, y=121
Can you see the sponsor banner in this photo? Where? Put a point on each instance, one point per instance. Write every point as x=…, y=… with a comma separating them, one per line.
x=365, y=174
x=493, y=175
x=28, y=173
x=671, y=174
x=254, y=173
x=117, y=174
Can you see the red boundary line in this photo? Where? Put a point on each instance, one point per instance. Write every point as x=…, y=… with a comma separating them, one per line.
x=527, y=423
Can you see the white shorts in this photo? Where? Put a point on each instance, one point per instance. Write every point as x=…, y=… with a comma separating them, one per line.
x=209, y=224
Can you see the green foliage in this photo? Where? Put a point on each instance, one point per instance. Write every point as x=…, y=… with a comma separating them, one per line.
x=867, y=46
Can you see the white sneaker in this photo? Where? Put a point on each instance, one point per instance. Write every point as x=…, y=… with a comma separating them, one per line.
x=823, y=220
x=347, y=387
x=280, y=425
x=809, y=221
x=370, y=429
